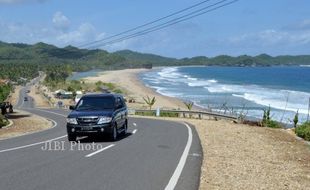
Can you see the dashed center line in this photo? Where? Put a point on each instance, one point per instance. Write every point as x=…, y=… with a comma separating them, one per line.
x=100, y=150
x=134, y=131
x=134, y=124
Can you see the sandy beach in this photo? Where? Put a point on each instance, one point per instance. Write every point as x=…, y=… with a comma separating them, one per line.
x=235, y=156
x=127, y=80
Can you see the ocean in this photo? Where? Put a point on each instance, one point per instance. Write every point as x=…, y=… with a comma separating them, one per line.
x=81, y=75
x=237, y=89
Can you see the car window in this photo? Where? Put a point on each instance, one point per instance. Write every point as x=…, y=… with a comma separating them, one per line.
x=117, y=103
x=95, y=103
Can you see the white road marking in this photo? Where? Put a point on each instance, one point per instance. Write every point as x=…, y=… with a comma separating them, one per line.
x=100, y=150
x=134, y=124
x=177, y=173
x=134, y=131
x=34, y=144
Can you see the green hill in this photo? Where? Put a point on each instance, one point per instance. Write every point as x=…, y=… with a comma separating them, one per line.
x=23, y=60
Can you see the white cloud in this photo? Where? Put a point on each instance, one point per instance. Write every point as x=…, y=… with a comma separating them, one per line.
x=22, y=33
x=60, y=21
x=19, y=32
x=86, y=32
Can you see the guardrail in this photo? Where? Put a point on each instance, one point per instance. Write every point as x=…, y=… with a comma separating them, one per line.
x=182, y=113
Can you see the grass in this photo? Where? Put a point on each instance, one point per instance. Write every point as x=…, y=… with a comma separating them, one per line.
x=303, y=131
x=153, y=113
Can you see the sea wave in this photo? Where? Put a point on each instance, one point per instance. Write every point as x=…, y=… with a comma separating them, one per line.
x=185, y=85
x=280, y=99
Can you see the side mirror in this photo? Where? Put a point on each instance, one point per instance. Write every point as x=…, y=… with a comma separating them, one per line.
x=118, y=106
x=72, y=107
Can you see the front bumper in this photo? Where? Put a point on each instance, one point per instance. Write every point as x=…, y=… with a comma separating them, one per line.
x=89, y=129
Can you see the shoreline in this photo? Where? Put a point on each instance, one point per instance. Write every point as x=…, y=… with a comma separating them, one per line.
x=128, y=79
x=169, y=102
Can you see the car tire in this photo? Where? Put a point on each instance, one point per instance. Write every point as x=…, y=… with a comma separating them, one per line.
x=71, y=137
x=124, y=132
x=114, y=133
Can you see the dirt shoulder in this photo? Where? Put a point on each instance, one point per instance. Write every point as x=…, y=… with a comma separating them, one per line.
x=239, y=156
x=14, y=96
x=244, y=157
x=24, y=123
x=40, y=101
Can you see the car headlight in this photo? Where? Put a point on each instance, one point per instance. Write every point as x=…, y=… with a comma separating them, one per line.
x=104, y=119
x=72, y=121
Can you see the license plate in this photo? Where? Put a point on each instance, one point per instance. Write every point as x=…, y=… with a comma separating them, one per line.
x=86, y=128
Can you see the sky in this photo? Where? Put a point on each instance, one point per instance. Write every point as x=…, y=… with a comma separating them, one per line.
x=252, y=27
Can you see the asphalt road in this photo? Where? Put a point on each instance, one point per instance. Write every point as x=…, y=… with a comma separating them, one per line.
x=154, y=155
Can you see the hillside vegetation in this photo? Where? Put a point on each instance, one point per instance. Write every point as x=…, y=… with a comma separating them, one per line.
x=24, y=61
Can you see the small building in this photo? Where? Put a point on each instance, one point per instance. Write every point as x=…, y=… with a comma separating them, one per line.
x=104, y=89
x=62, y=94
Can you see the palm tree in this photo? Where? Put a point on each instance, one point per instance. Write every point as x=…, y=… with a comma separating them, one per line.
x=189, y=105
x=149, y=101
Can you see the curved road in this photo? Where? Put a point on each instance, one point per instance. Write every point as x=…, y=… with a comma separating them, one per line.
x=154, y=155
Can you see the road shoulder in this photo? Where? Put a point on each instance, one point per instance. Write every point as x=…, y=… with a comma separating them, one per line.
x=24, y=123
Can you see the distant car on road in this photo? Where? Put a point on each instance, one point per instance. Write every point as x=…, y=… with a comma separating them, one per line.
x=25, y=99
x=98, y=114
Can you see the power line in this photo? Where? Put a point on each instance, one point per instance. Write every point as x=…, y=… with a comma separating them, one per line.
x=170, y=23
x=146, y=24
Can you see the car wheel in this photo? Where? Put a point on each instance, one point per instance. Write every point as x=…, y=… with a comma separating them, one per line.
x=125, y=128
x=71, y=137
x=114, y=133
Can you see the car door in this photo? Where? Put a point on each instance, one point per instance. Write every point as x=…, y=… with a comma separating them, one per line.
x=122, y=111
x=118, y=113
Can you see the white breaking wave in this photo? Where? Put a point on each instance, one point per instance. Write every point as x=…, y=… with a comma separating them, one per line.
x=289, y=100
x=202, y=83
x=280, y=99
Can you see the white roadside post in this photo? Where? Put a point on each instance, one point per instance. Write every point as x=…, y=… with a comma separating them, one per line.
x=157, y=112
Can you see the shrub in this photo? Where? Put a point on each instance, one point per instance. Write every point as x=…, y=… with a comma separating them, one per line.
x=303, y=131
x=118, y=91
x=146, y=113
x=273, y=124
x=168, y=114
x=3, y=121
x=268, y=122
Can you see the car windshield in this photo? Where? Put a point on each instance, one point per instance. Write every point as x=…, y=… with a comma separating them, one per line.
x=95, y=103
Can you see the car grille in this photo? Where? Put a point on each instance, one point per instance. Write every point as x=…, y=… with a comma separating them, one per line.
x=87, y=120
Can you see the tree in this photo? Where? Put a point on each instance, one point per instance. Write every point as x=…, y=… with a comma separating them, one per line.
x=189, y=105
x=295, y=120
x=149, y=101
x=266, y=117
